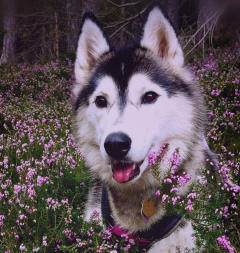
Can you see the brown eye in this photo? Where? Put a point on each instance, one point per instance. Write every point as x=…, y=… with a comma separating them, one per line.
x=101, y=102
x=149, y=97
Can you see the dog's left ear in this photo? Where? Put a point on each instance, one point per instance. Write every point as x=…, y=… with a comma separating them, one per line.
x=160, y=38
x=92, y=44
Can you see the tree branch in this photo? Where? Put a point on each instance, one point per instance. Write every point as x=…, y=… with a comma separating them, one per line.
x=123, y=22
x=124, y=5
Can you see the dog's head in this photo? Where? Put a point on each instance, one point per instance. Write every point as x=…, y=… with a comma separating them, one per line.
x=129, y=101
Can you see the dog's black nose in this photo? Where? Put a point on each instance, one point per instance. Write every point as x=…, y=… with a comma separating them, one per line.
x=117, y=145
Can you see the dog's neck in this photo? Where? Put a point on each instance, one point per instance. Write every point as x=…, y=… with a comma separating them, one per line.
x=126, y=204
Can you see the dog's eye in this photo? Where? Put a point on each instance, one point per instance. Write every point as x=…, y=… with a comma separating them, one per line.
x=101, y=102
x=149, y=97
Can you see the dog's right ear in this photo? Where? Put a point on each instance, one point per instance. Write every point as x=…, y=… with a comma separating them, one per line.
x=92, y=44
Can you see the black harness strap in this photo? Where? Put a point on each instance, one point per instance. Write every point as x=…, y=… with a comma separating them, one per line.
x=162, y=228
x=158, y=230
x=105, y=208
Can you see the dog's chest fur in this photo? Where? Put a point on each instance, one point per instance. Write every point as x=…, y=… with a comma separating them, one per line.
x=126, y=206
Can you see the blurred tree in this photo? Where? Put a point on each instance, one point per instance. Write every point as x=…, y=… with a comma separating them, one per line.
x=91, y=6
x=209, y=12
x=173, y=7
x=9, y=26
x=75, y=9
x=122, y=36
x=73, y=24
x=50, y=30
x=171, y=10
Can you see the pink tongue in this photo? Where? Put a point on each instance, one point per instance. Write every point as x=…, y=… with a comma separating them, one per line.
x=122, y=175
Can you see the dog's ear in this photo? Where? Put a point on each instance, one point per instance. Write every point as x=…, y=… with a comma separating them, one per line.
x=92, y=44
x=160, y=37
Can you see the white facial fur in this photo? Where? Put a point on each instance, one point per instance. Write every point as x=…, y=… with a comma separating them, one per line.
x=168, y=120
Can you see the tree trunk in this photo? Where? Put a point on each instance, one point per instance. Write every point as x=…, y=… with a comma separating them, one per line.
x=173, y=13
x=9, y=25
x=73, y=24
x=74, y=20
x=90, y=6
x=56, y=42
x=122, y=38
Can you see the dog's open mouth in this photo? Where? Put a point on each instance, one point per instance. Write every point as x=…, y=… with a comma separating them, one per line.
x=125, y=171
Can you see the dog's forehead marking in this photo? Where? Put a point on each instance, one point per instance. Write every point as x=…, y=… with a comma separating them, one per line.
x=121, y=66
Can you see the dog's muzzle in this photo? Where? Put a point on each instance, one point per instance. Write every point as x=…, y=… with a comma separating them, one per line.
x=117, y=146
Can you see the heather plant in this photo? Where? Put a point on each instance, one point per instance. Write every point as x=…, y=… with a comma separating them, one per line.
x=44, y=179
x=211, y=203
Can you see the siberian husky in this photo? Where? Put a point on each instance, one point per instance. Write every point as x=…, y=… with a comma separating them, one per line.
x=128, y=102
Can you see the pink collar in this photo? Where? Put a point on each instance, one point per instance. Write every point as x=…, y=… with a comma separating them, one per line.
x=119, y=232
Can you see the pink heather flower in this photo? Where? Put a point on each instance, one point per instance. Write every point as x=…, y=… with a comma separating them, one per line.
x=164, y=197
x=183, y=180
x=225, y=243
x=31, y=173
x=67, y=232
x=95, y=215
x=175, y=199
x=36, y=249
x=22, y=247
x=152, y=158
x=235, y=81
x=42, y=138
x=189, y=206
x=157, y=193
x=131, y=241
x=174, y=160
x=1, y=195
x=192, y=195
x=17, y=189
x=31, y=192
x=174, y=189
x=44, y=241
x=2, y=218
x=168, y=180
x=41, y=180
x=236, y=188
x=8, y=181
x=107, y=234
x=64, y=201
